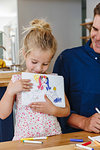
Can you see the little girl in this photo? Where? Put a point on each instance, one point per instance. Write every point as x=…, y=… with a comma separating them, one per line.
x=37, y=119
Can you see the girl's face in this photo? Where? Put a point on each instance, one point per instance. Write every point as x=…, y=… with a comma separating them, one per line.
x=38, y=61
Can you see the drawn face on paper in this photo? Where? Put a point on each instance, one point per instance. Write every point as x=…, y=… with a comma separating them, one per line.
x=44, y=81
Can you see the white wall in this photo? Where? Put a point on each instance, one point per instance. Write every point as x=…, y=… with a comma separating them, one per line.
x=64, y=16
x=8, y=12
x=90, y=5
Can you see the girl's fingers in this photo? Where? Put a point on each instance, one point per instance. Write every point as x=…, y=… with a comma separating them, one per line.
x=47, y=99
x=35, y=106
x=26, y=84
x=45, y=96
x=26, y=80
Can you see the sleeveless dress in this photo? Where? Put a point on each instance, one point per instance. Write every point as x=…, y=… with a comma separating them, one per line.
x=32, y=124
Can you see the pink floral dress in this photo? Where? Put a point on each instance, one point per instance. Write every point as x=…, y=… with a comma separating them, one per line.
x=33, y=124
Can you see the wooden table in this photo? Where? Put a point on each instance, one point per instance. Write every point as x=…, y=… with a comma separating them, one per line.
x=6, y=77
x=58, y=142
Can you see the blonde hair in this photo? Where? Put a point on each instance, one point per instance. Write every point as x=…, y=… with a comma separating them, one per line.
x=40, y=35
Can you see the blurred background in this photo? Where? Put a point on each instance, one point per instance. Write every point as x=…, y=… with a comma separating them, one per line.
x=65, y=17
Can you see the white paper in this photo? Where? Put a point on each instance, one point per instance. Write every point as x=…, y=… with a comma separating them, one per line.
x=51, y=85
x=97, y=138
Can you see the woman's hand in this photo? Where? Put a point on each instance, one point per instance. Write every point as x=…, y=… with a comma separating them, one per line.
x=19, y=86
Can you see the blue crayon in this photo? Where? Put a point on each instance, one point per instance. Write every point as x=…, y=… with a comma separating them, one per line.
x=76, y=140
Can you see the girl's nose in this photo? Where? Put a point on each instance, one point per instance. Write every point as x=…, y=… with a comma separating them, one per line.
x=39, y=68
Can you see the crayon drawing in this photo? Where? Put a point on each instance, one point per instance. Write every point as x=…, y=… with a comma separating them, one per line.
x=51, y=85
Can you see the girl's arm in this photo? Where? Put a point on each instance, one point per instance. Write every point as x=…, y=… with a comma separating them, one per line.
x=49, y=108
x=7, y=101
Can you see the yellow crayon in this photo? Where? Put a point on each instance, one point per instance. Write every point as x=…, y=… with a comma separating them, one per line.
x=26, y=139
x=36, y=138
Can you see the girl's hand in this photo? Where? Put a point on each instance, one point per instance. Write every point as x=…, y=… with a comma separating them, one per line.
x=43, y=107
x=49, y=108
x=19, y=86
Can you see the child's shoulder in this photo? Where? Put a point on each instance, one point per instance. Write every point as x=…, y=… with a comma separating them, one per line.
x=16, y=77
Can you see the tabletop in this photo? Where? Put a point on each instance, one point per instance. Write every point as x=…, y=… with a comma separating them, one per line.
x=5, y=77
x=58, y=142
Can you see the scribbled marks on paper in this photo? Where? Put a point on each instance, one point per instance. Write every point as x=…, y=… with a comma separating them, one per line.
x=44, y=84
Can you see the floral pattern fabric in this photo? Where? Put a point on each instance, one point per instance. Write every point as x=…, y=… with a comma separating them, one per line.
x=32, y=124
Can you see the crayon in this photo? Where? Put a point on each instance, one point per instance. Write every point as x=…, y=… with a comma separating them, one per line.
x=76, y=140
